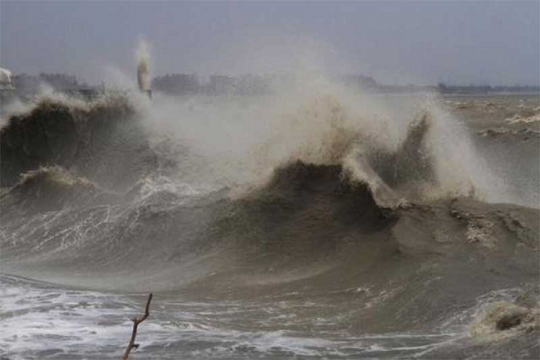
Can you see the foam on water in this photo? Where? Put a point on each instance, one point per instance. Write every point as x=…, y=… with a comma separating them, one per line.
x=79, y=324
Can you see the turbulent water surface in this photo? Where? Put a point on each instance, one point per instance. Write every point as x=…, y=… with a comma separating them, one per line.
x=315, y=223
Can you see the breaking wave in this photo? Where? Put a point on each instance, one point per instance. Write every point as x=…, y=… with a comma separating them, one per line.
x=95, y=139
x=340, y=196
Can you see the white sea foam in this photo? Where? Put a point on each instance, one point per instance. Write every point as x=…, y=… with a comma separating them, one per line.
x=42, y=320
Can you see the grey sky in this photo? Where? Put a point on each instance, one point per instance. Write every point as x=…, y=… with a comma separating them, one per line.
x=406, y=41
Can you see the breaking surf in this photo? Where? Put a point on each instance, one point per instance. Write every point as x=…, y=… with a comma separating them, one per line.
x=317, y=223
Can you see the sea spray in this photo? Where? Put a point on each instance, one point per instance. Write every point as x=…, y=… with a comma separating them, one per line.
x=319, y=121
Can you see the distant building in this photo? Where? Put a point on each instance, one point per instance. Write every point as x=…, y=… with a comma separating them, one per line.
x=29, y=85
x=59, y=81
x=26, y=85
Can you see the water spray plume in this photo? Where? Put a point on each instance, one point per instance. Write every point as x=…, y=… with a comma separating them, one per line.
x=143, y=67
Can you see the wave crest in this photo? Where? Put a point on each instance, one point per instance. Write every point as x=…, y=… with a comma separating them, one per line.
x=96, y=138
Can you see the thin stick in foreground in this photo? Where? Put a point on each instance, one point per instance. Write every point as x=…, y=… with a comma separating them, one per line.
x=136, y=323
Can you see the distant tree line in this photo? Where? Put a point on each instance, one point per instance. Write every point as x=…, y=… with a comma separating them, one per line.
x=183, y=84
x=191, y=84
x=57, y=81
x=27, y=85
x=485, y=89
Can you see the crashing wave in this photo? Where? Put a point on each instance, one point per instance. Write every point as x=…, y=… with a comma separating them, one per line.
x=395, y=173
x=97, y=138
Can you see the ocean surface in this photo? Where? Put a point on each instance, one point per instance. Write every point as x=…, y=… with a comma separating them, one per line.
x=315, y=223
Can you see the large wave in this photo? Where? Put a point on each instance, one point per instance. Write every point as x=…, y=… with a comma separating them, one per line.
x=381, y=207
x=96, y=139
x=120, y=172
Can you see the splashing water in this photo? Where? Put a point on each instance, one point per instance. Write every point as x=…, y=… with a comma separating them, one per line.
x=143, y=65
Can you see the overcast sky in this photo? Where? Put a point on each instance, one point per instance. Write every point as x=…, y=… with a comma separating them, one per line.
x=459, y=42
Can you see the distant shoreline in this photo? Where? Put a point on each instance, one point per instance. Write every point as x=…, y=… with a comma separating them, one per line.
x=192, y=84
